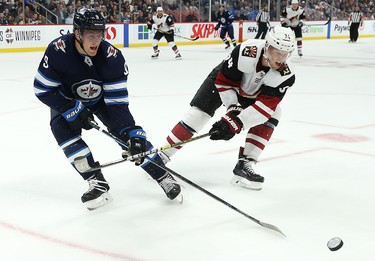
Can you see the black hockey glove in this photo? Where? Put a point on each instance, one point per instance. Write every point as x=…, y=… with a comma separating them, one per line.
x=77, y=115
x=226, y=128
x=136, y=139
x=171, y=32
x=149, y=26
x=217, y=27
x=284, y=24
x=300, y=24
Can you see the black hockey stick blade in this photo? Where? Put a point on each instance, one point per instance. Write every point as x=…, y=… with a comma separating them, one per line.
x=194, y=39
x=329, y=20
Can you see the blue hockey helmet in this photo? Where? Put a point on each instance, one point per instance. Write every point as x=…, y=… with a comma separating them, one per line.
x=88, y=19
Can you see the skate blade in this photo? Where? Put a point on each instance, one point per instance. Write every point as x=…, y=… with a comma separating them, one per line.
x=179, y=198
x=101, y=201
x=242, y=182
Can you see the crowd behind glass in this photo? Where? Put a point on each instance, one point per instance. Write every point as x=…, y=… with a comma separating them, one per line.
x=139, y=11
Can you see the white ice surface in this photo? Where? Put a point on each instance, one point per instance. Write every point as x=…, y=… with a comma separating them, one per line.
x=319, y=168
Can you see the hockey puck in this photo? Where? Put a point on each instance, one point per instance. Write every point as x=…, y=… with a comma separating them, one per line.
x=335, y=243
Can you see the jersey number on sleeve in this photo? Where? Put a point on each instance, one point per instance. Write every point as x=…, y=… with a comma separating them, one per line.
x=45, y=63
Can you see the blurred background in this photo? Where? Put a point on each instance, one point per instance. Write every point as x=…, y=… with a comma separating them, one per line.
x=20, y=12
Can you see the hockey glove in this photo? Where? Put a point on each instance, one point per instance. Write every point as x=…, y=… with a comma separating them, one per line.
x=77, y=115
x=284, y=24
x=217, y=27
x=226, y=128
x=171, y=32
x=300, y=24
x=149, y=26
x=136, y=139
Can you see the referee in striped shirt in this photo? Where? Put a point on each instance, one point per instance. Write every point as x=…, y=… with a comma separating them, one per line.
x=263, y=20
x=355, y=19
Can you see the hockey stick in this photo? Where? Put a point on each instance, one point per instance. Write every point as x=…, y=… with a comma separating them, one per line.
x=263, y=224
x=180, y=36
x=83, y=166
x=329, y=20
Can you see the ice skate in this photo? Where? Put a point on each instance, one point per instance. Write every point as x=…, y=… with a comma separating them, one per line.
x=171, y=188
x=178, y=56
x=227, y=46
x=245, y=176
x=155, y=55
x=300, y=53
x=97, y=194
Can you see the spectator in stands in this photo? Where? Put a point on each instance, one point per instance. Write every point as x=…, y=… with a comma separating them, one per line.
x=103, y=11
x=69, y=19
x=78, y=5
x=19, y=19
x=28, y=13
x=11, y=20
x=3, y=19
x=141, y=17
x=34, y=19
x=60, y=13
x=126, y=18
x=240, y=16
x=2, y=7
x=191, y=17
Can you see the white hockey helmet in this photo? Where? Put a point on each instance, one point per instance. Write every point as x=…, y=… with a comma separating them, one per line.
x=294, y=2
x=159, y=9
x=281, y=38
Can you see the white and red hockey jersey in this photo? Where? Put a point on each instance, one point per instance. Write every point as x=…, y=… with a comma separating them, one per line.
x=242, y=73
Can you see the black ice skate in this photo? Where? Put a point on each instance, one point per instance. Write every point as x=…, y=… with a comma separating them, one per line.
x=245, y=176
x=155, y=55
x=171, y=188
x=227, y=46
x=300, y=53
x=97, y=195
x=178, y=56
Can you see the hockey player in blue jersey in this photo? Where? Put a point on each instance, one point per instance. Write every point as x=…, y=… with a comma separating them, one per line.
x=82, y=75
x=225, y=20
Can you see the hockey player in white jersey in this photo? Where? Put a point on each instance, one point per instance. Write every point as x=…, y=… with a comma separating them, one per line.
x=250, y=83
x=294, y=17
x=164, y=26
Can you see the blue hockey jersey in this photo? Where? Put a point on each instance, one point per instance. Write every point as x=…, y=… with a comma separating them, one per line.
x=225, y=19
x=64, y=75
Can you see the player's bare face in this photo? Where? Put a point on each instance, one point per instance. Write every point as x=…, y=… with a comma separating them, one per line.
x=294, y=7
x=91, y=41
x=276, y=58
x=160, y=14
